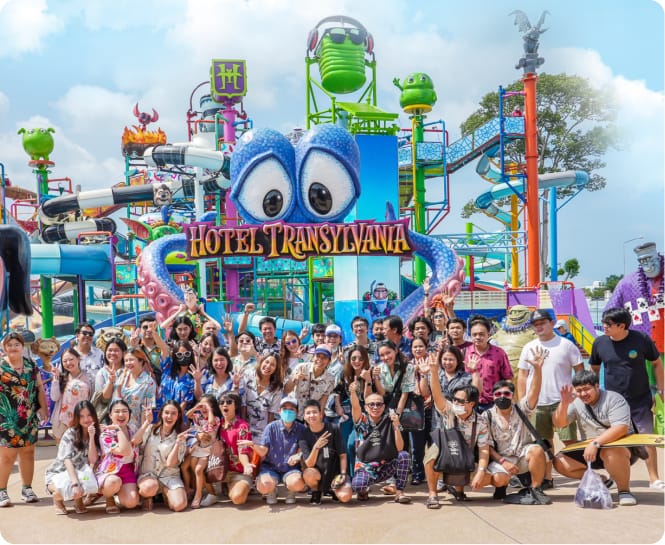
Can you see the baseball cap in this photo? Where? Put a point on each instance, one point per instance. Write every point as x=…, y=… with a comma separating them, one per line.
x=541, y=314
x=561, y=323
x=334, y=329
x=322, y=349
x=288, y=399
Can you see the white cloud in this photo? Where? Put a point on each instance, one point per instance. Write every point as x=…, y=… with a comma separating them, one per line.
x=25, y=24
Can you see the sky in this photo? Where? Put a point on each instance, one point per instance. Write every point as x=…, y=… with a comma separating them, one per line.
x=80, y=66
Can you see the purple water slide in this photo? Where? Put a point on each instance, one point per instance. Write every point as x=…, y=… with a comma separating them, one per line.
x=567, y=301
x=526, y=298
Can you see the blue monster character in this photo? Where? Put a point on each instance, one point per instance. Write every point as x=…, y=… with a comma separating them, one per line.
x=315, y=182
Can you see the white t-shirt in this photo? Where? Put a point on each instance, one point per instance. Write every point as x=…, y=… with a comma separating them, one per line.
x=557, y=369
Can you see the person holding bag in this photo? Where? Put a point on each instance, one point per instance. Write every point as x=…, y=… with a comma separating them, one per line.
x=70, y=474
x=458, y=415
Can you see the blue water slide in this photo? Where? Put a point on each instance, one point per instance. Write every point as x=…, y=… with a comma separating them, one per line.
x=92, y=262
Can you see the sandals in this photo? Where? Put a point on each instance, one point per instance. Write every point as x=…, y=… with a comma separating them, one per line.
x=433, y=503
x=80, y=507
x=146, y=504
x=196, y=503
x=89, y=499
x=402, y=498
x=363, y=495
x=459, y=495
x=659, y=484
x=111, y=507
x=389, y=489
x=59, y=506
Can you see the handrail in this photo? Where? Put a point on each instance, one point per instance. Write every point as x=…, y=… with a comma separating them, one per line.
x=581, y=334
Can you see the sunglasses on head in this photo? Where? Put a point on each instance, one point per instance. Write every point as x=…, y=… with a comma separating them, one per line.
x=375, y=405
x=503, y=393
x=87, y=333
x=338, y=35
x=183, y=355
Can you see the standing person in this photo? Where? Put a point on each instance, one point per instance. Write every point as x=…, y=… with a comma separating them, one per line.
x=323, y=455
x=279, y=447
x=208, y=343
x=148, y=338
x=561, y=328
x=245, y=356
x=491, y=361
x=394, y=377
x=78, y=448
x=267, y=326
x=456, y=328
x=451, y=374
x=311, y=380
x=105, y=381
x=163, y=450
x=68, y=387
x=217, y=377
x=262, y=395
x=22, y=405
x=177, y=382
x=193, y=311
x=135, y=385
x=419, y=438
x=562, y=358
x=318, y=337
x=421, y=327
x=291, y=353
x=393, y=330
x=183, y=330
x=610, y=421
x=380, y=453
x=378, y=332
x=360, y=329
x=92, y=358
x=624, y=352
x=334, y=343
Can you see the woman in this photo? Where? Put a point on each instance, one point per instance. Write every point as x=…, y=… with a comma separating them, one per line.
x=207, y=345
x=22, y=405
x=418, y=439
x=107, y=375
x=291, y=353
x=217, y=377
x=135, y=384
x=233, y=431
x=263, y=393
x=451, y=373
x=68, y=388
x=183, y=330
x=245, y=354
x=177, y=382
x=78, y=449
x=116, y=471
x=164, y=447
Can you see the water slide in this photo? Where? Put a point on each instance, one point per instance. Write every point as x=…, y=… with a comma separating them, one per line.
x=91, y=262
x=573, y=303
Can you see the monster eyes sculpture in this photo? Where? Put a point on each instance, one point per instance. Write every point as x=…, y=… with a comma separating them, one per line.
x=315, y=182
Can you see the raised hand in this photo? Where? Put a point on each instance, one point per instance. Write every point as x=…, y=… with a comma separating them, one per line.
x=538, y=356
x=366, y=375
x=196, y=372
x=228, y=324
x=249, y=308
x=92, y=431
x=134, y=337
x=322, y=441
x=567, y=394
x=147, y=413
x=472, y=362
x=432, y=363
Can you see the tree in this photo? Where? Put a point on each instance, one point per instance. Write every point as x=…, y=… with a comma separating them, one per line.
x=571, y=269
x=576, y=127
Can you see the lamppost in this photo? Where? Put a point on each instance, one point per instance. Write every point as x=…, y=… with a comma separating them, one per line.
x=624, y=251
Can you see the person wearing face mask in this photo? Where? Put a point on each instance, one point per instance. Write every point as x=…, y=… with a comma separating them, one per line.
x=515, y=450
x=460, y=412
x=282, y=457
x=177, y=382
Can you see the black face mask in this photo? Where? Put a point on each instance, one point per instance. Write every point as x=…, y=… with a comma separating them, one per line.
x=379, y=337
x=503, y=403
x=184, y=363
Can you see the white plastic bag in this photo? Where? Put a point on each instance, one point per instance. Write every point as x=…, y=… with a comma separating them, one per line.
x=86, y=477
x=592, y=491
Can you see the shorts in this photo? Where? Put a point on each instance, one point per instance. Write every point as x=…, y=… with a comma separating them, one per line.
x=276, y=475
x=642, y=418
x=542, y=421
x=127, y=474
x=201, y=452
x=519, y=461
x=170, y=483
x=233, y=477
x=578, y=456
x=432, y=453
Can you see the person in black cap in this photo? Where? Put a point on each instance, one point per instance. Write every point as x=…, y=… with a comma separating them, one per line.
x=561, y=358
x=311, y=380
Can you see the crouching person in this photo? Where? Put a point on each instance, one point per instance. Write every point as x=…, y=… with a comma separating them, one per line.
x=515, y=451
x=279, y=448
x=604, y=417
x=324, y=457
x=459, y=413
x=380, y=450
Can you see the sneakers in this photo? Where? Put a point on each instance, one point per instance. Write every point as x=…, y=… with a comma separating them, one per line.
x=210, y=499
x=499, y=493
x=291, y=497
x=547, y=484
x=316, y=497
x=540, y=496
x=626, y=498
x=28, y=495
x=271, y=499
x=4, y=499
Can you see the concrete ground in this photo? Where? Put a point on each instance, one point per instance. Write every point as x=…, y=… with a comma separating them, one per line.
x=379, y=520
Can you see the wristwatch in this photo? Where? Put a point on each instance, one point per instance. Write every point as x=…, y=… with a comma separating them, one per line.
x=595, y=443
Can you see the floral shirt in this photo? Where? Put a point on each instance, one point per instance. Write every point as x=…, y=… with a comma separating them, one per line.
x=19, y=402
x=141, y=393
x=91, y=363
x=389, y=381
x=312, y=387
x=238, y=430
x=180, y=389
x=77, y=389
x=110, y=463
x=67, y=451
x=259, y=405
x=208, y=386
x=493, y=366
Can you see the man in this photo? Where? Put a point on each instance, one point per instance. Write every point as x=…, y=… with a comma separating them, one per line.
x=515, y=451
x=461, y=412
x=323, y=455
x=603, y=416
x=334, y=344
x=92, y=358
x=318, y=337
x=562, y=358
x=624, y=353
x=311, y=380
x=377, y=330
x=393, y=329
x=279, y=447
x=380, y=452
x=360, y=329
x=455, y=329
x=561, y=328
x=491, y=361
x=156, y=349
x=266, y=342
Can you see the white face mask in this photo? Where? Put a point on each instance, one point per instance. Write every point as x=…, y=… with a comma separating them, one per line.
x=459, y=410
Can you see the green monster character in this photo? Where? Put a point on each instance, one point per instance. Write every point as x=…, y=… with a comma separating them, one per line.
x=37, y=143
x=417, y=90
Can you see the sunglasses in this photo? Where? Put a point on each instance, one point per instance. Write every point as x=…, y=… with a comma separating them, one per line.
x=375, y=405
x=86, y=333
x=145, y=327
x=437, y=316
x=503, y=393
x=183, y=355
x=226, y=402
x=459, y=401
x=292, y=342
x=244, y=341
x=338, y=35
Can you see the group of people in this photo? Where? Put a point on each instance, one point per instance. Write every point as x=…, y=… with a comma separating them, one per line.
x=153, y=418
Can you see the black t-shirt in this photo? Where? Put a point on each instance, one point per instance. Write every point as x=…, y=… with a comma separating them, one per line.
x=625, y=365
x=328, y=453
